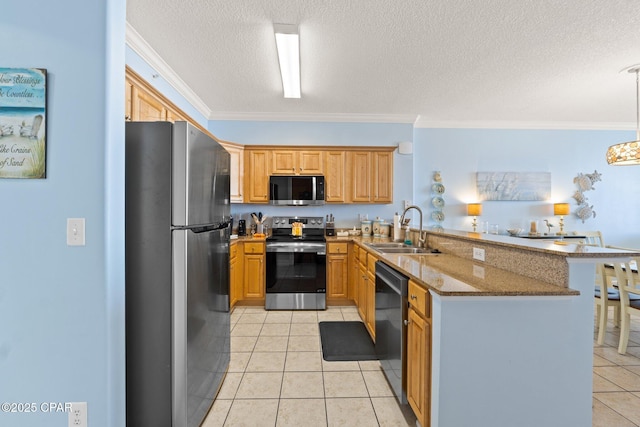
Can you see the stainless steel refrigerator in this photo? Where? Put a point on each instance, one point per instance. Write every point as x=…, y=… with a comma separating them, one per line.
x=177, y=216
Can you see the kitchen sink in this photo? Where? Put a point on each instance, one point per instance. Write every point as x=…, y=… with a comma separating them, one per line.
x=388, y=245
x=400, y=248
x=404, y=250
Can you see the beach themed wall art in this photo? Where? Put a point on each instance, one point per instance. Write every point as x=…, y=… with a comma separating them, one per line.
x=514, y=186
x=23, y=112
x=584, y=182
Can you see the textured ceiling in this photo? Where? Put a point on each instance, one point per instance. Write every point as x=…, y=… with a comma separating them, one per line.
x=443, y=62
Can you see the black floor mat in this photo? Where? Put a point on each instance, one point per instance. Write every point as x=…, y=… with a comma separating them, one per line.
x=343, y=341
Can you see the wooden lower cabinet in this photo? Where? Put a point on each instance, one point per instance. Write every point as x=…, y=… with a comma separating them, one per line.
x=337, y=273
x=419, y=353
x=353, y=273
x=235, y=275
x=362, y=290
x=254, y=271
x=365, y=282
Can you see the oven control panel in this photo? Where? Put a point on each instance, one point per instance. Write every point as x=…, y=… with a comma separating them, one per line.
x=309, y=221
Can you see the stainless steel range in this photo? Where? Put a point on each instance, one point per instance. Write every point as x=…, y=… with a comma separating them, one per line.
x=296, y=265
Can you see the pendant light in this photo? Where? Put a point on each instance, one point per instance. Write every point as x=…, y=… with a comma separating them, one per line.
x=628, y=153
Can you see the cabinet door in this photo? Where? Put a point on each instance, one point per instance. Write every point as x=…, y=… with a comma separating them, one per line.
x=360, y=173
x=128, y=99
x=337, y=277
x=418, y=366
x=354, y=273
x=254, y=276
x=310, y=163
x=284, y=162
x=362, y=292
x=233, y=279
x=382, y=172
x=236, y=171
x=334, y=177
x=147, y=108
x=257, y=182
x=174, y=116
x=370, y=316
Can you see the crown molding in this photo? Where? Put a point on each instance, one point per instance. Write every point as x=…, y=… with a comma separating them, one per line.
x=496, y=124
x=135, y=41
x=315, y=117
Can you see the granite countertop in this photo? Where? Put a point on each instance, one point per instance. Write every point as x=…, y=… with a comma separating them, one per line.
x=566, y=246
x=449, y=275
x=247, y=239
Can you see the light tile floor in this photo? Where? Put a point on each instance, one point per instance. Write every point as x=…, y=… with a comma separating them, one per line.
x=277, y=377
x=616, y=379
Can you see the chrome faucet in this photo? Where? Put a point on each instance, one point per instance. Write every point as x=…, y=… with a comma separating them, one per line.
x=421, y=241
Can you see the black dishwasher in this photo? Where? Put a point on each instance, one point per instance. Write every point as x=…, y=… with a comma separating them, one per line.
x=391, y=331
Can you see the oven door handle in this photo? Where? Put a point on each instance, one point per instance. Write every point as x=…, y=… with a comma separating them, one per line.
x=316, y=250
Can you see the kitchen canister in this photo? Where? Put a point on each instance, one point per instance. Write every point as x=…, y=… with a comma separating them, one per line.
x=385, y=228
x=365, y=226
x=376, y=227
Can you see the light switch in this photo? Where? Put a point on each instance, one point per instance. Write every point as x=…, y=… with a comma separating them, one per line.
x=75, y=231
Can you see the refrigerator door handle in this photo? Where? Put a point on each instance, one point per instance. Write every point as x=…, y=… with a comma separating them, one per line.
x=204, y=228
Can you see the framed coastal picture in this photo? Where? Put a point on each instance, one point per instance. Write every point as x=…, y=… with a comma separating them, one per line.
x=23, y=113
x=514, y=186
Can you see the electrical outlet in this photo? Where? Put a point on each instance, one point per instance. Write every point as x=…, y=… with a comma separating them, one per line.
x=78, y=414
x=407, y=203
x=478, y=254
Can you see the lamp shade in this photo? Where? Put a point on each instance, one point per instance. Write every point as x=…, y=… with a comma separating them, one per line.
x=474, y=209
x=561, y=208
x=624, y=154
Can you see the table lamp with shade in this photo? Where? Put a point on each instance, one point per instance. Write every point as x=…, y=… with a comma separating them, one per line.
x=474, y=210
x=561, y=209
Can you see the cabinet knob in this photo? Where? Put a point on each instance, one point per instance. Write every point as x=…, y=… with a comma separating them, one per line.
x=293, y=169
x=406, y=322
x=300, y=169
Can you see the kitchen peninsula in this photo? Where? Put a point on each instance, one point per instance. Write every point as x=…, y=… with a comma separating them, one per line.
x=511, y=337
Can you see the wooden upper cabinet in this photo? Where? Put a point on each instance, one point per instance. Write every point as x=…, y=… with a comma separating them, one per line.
x=370, y=175
x=128, y=94
x=236, y=171
x=360, y=175
x=174, y=116
x=292, y=162
x=310, y=163
x=382, y=175
x=284, y=162
x=256, y=183
x=334, y=177
x=147, y=108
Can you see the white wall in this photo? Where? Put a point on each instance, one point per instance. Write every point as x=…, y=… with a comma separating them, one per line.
x=460, y=153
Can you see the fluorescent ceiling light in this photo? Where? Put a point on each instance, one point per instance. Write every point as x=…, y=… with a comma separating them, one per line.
x=288, y=45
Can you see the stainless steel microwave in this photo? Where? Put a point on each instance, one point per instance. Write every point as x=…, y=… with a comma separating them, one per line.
x=296, y=190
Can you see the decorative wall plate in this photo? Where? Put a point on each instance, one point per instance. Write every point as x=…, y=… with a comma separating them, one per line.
x=437, y=188
x=437, y=216
x=437, y=202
